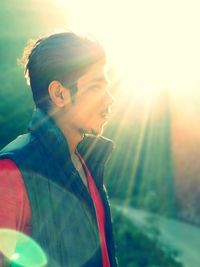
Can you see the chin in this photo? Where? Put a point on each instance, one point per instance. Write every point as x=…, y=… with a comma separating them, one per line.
x=95, y=128
x=95, y=131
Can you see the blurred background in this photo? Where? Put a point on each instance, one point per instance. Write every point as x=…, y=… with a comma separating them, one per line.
x=153, y=175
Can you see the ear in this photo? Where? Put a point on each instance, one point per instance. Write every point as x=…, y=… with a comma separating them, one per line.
x=57, y=93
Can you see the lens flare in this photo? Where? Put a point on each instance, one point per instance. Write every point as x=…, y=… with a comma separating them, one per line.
x=20, y=249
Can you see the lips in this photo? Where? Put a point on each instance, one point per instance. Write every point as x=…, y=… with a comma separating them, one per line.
x=105, y=113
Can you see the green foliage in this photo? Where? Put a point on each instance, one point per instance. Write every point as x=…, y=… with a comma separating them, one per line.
x=141, y=248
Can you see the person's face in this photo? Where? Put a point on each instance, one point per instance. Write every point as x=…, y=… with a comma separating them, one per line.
x=91, y=108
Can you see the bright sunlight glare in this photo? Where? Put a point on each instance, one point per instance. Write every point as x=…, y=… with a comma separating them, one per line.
x=153, y=44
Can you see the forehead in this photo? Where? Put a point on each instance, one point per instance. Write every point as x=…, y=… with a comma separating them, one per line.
x=95, y=74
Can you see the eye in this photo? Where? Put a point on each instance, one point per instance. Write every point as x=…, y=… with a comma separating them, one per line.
x=95, y=88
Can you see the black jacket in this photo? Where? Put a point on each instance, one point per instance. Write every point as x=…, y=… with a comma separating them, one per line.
x=63, y=215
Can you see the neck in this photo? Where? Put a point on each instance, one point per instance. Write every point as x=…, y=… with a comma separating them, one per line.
x=72, y=135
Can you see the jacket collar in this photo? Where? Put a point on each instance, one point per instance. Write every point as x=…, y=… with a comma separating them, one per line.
x=94, y=150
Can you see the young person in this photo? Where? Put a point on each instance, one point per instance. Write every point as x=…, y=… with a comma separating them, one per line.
x=51, y=179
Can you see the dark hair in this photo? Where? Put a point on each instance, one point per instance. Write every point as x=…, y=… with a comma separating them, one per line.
x=64, y=57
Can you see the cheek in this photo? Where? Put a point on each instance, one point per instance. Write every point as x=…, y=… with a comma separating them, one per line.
x=96, y=103
x=87, y=109
x=91, y=106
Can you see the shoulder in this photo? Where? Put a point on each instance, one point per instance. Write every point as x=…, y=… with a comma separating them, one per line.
x=22, y=142
x=21, y=148
x=10, y=176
